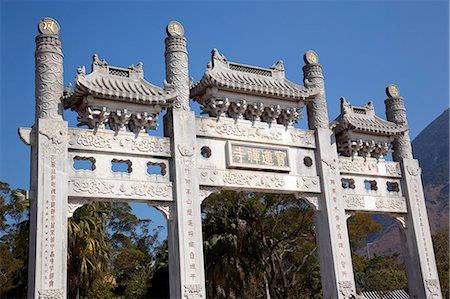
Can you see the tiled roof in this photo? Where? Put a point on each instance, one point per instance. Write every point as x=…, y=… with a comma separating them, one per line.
x=269, y=82
x=119, y=84
x=364, y=120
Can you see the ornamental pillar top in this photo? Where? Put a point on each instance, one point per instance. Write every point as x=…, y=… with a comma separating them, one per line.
x=49, y=71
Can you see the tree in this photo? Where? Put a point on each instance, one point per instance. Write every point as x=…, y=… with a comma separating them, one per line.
x=441, y=249
x=13, y=241
x=359, y=226
x=259, y=246
x=381, y=273
x=89, y=249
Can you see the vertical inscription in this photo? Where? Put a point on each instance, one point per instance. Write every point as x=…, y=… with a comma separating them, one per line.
x=190, y=212
x=189, y=223
x=49, y=227
x=419, y=204
x=339, y=231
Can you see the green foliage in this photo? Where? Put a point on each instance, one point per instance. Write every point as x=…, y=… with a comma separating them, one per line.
x=88, y=249
x=13, y=242
x=381, y=273
x=441, y=249
x=111, y=252
x=359, y=226
x=258, y=245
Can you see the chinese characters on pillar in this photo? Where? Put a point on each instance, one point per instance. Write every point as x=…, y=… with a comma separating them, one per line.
x=190, y=225
x=49, y=227
x=419, y=203
x=258, y=157
x=339, y=231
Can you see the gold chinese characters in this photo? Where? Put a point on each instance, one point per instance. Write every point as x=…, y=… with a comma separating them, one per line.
x=259, y=156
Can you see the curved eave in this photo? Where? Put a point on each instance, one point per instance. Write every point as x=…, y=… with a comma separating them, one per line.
x=144, y=92
x=295, y=92
x=376, y=126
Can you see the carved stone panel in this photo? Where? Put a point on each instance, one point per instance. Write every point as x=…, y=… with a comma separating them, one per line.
x=241, y=130
x=123, y=142
x=164, y=207
x=51, y=294
x=206, y=191
x=369, y=166
x=360, y=202
x=252, y=180
x=346, y=289
x=193, y=291
x=433, y=288
x=103, y=188
x=55, y=138
x=75, y=204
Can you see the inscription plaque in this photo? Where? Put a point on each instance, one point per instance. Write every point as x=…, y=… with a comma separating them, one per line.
x=248, y=156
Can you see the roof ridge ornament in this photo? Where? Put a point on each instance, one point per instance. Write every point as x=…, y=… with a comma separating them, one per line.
x=217, y=57
x=278, y=66
x=346, y=107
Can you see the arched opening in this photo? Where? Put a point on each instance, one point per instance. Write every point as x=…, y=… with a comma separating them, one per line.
x=378, y=264
x=117, y=250
x=259, y=245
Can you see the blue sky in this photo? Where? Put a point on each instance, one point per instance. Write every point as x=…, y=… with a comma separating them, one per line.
x=363, y=47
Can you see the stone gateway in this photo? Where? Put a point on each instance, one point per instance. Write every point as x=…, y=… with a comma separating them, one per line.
x=246, y=141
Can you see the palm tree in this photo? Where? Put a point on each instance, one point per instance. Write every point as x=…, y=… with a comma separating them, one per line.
x=231, y=250
x=89, y=247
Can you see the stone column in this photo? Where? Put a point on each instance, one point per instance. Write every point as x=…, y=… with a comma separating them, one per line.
x=330, y=219
x=423, y=280
x=396, y=113
x=313, y=77
x=186, y=270
x=47, y=265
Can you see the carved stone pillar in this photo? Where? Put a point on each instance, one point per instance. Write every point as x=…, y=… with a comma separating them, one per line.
x=423, y=279
x=47, y=264
x=49, y=71
x=186, y=270
x=396, y=113
x=330, y=220
x=313, y=77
